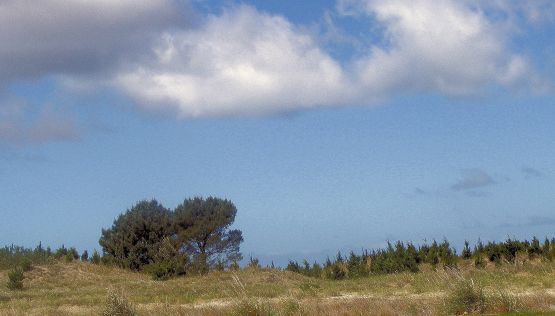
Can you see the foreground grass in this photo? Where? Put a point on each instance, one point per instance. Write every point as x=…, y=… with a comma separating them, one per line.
x=81, y=289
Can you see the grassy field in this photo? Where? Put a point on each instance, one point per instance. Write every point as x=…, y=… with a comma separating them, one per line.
x=82, y=289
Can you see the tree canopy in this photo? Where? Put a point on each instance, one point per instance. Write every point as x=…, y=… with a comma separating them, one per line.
x=194, y=237
x=202, y=227
x=135, y=236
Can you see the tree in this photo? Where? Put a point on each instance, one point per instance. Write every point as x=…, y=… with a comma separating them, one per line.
x=202, y=227
x=466, y=253
x=135, y=236
x=85, y=256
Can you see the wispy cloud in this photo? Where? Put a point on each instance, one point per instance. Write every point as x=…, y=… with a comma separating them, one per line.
x=21, y=124
x=473, y=179
x=530, y=172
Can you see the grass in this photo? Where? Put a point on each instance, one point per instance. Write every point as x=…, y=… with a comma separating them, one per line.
x=82, y=289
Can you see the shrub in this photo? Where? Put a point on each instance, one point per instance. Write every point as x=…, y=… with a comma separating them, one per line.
x=15, y=279
x=95, y=259
x=26, y=265
x=336, y=272
x=252, y=308
x=466, y=297
x=253, y=263
x=168, y=261
x=160, y=271
x=479, y=261
x=118, y=305
x=68, y=257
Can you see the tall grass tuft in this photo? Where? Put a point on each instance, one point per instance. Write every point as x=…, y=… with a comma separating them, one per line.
x=466, y=297
x=118, y=305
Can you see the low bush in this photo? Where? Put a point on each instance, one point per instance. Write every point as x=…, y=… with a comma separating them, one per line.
x=466, y=297
x=15, y=279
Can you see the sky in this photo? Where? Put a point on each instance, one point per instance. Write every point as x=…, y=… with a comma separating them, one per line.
x=332, y=125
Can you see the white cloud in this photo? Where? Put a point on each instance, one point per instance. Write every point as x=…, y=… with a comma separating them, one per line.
x=244, y=61
x=240, y=62
x=444, y=46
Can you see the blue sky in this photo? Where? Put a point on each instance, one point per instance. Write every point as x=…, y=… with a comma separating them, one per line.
x=330, y=124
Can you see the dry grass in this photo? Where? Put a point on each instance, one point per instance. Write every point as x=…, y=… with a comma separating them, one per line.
x=81, y=289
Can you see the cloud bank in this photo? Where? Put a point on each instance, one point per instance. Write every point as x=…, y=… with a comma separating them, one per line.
x=166, y=56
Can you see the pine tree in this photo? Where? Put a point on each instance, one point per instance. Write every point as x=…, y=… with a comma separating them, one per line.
x=85, y=256
x=466, y=253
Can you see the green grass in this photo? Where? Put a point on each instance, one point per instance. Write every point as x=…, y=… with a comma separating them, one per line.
x=82, y=288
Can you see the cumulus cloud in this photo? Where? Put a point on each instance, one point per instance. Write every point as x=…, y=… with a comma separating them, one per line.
x=473, y=179
x=240, y=62
x=244, y=61
x=445, y=46
x=50, y=37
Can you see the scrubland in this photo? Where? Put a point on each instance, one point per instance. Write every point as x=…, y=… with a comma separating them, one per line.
x=82, y=288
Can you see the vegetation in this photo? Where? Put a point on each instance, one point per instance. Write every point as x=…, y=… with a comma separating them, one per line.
x=15, y=279
x=196, y=240
x=202, y=227
x=193, y=238
x=401, y=257
x=118, y=305
x=81, y=288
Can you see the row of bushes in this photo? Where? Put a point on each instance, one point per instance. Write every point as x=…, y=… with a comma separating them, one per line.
x=17, y=256
x=406, y=257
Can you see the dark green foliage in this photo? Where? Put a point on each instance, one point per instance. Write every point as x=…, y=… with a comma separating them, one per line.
x=219, y=265
x=135, y=236
x=85, y=256
x=546, y=250
x=26, y=264
x=511, y=248
x=11, y=256
x=167, y=262
x=534, y=250
x=253, y=263
x=316, y=270
x=466, y=253
x=293, y=266
x=337, y=272
x=202, y=227
x=95, y=259
x=61, y=252
x=400, y=257
x=15, y=279
x=393, y=260
x=356, y=266
x=234, y=265
x=479, y=261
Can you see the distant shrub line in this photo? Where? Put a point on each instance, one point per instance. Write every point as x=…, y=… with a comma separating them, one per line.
x=406, y=257
x=395, y=258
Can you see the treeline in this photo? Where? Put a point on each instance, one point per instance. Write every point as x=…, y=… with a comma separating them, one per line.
x=406, y=257
x=17, y=256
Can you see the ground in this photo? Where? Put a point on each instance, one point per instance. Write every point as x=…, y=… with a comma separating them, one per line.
x=81, y=289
